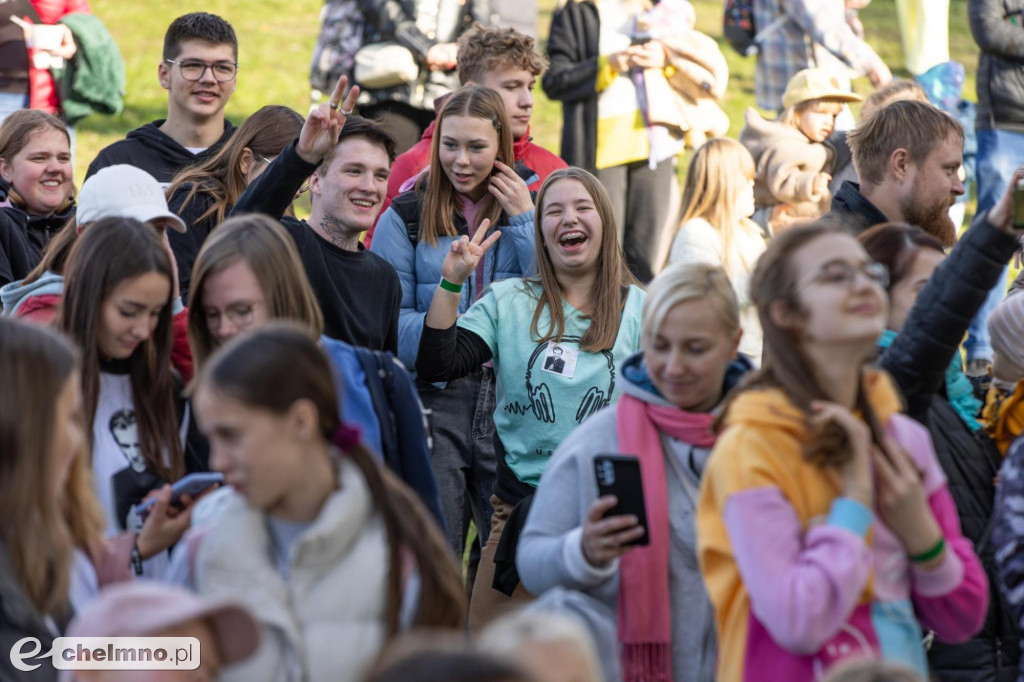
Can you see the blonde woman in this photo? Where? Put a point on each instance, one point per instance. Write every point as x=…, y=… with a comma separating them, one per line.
x=654, y=596
x=716, y=226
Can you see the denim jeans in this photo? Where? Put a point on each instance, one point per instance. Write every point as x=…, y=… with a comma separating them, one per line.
x=462, y=457
x=999, y=154
x=11, y=102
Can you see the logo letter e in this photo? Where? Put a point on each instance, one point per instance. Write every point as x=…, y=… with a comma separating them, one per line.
x=17, y=656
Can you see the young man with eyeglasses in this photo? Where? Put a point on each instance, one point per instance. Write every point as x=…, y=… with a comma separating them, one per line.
x=199, y=70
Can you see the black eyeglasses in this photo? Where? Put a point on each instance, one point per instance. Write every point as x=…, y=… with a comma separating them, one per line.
x=193, y=70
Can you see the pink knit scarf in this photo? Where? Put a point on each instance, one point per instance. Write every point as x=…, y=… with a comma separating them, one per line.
x=645, y=618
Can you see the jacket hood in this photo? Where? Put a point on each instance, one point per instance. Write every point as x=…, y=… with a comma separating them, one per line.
x=759, y=133
x=637, y=381
x=770, y=409
x=15, y=295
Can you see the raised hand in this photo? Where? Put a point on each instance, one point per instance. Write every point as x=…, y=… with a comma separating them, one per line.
x=902, y=502
x=466, y=253
x=164, y=525
x=855, y=474
x=320, y=132
x=1002, y=214
x=510, y=190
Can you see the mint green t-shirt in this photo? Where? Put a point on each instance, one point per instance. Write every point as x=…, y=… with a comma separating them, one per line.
x=545, y=390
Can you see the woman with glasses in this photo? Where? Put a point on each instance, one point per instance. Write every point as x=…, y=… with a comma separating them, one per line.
x=826, y=529
x=203, y=195
x=943, y=399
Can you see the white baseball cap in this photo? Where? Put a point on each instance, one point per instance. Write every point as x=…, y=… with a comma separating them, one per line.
x=124, y=191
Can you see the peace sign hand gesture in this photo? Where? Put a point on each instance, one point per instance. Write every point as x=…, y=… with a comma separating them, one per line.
x=322, y=128
x=466, y=253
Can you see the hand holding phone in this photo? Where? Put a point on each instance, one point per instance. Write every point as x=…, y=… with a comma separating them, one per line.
x=191, y=486
x=617, y=520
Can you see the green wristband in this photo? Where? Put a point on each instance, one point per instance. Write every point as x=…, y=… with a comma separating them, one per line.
x=925, y=557
x=450, y=286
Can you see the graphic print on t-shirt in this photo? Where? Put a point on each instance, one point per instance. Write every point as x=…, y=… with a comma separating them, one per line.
x=133, y=482
x=542, y=404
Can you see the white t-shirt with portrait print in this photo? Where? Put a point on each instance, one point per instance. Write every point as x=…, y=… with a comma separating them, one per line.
x=122, y=477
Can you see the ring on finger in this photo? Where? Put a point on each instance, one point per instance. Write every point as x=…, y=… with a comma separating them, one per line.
x=333, y=106
x=606, y=542
x=346, y=112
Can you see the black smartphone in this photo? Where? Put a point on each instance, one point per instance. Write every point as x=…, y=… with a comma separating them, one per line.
x=619, y=475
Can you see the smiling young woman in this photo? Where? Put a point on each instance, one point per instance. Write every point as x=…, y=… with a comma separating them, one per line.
x=467, y=188
x=816, y=434
x=117, y=310
x=584, y=302
x=35, y=167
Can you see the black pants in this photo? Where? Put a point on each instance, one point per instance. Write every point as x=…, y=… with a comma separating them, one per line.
x=641, y=198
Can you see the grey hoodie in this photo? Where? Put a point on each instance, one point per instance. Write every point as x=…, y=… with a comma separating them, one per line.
x=15, y=294
x=550, y=554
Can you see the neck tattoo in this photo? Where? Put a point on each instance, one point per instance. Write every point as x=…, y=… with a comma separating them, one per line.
x=334, y=232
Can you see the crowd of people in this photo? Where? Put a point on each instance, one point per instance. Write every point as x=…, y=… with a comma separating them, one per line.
x=489, y=413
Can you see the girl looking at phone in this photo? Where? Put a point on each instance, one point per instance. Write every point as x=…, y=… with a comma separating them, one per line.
x=583, y=310
x=467, y=182
x=338, y=556
x=117, y=309
x=691, y=331
x=826, y=529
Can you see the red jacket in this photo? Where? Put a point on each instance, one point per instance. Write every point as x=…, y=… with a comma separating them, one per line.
x=42, y=90
x=407, y=165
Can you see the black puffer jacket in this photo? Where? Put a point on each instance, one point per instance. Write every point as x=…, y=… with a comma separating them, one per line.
x=917, y=360
x=1001, y=67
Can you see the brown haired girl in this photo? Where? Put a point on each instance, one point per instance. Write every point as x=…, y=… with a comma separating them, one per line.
x=203, y=195
x=468, y=181
x=338, y=556
x=249, y=273
x=117, y=309
x=584, y=303
x=825, y=526
x=37, y=183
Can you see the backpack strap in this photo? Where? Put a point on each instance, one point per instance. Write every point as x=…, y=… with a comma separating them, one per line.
x=408, y=206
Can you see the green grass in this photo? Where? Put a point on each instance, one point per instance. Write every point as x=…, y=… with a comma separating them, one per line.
x=276, y=40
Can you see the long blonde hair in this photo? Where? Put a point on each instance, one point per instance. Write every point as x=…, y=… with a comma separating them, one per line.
x=718, y=173
x=437, y=217
x=35, y=363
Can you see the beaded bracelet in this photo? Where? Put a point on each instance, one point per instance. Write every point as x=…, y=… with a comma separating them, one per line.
x=925, y=557
x=450, y=286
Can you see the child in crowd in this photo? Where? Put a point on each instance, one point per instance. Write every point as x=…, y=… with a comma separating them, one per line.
x=337, y=555
x=716, y=227
x=1003, y=415
x=792, y=155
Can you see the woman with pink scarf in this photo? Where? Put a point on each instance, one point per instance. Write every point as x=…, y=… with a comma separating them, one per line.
x=664, y=621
